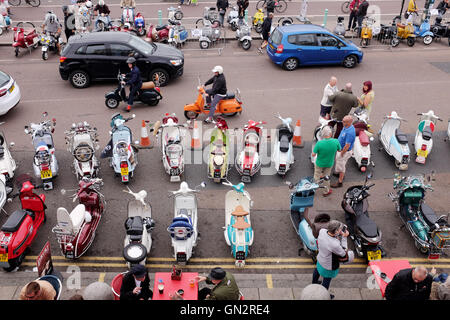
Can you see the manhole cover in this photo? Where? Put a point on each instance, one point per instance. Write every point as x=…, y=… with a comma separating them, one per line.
x=443, y=66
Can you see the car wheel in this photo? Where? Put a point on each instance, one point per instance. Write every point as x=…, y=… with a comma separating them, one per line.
x=112, y=103
x=410, y=41
x=246, y=44
x=204, y=45
x=191, y=115
x=79, y=79
x=350, y=61
x=163, y=76
x=290, y=64
x=427, y=40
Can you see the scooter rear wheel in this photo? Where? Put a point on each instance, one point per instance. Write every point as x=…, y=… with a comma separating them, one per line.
x=229, y=114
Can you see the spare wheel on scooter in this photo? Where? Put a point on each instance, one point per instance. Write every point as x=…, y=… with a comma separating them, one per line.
x=135, y=252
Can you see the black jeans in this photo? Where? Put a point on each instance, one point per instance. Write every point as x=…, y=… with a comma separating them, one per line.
x=352, y=20
x=326, y=281
x=203, y=293
x=133, y=90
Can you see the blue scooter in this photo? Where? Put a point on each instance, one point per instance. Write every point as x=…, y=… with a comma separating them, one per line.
x=423, y=30
x=238, y=229
x=307, y=223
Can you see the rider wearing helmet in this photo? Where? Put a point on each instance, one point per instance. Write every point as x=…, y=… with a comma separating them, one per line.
x=53, y=27
x=218, y=91
x=133, y=79
x=102, y=10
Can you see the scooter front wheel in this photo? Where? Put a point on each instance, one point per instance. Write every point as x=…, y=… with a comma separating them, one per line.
x=229, y=114
x=112, y=103
x=190, y=115
x=44, y=55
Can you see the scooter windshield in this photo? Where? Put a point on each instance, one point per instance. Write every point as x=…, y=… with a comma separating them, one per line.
x=44, y=138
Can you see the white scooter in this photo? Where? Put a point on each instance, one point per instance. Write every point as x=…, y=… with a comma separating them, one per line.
x=448, y=131
x=45, y=165
x=82, y=142
x=183, y=229
x=7, y=168
x=238, y=230
x=423, y=142
x=120, y=149
x=283, y=155
x=172, y=145
x=394, y=141
x=139, y=226
x=233, y=18
x=361, y=146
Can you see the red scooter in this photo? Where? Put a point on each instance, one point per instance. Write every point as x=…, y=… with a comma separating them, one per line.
x=157, y=33
x=20, y=229
x=76, y=231
x=25, y=37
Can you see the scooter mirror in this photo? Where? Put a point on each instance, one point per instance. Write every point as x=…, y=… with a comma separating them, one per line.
x=45, y=114
x=26, y=131
x=203, y=184
x=9, y=200
x=251, y=203
x=371, y=138
x=133, y=116
x=12, y=144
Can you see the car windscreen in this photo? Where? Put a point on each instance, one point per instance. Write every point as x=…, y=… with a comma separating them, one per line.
x=143, y=46
x=276, y=37
x=4, y=78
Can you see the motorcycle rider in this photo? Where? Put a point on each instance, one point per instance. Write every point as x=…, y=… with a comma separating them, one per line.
x=53, y=27
x=134, y=81
x=102, y=10
x=218, y=90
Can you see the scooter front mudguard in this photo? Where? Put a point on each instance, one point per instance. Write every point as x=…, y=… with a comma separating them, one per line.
x=113, y=95
x=306, y=235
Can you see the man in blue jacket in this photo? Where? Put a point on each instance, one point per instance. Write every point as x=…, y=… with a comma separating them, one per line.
x=133, y=80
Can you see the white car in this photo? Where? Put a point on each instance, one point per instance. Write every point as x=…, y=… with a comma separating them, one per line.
x=9, y=93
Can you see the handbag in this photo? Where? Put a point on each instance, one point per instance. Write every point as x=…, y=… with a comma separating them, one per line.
x=336, y=260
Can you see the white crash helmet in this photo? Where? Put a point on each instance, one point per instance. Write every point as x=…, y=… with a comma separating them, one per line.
x=88, y=4
x=218, y=69
x=101, y=2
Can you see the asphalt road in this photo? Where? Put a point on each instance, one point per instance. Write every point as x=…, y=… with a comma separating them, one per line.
x=408, y=80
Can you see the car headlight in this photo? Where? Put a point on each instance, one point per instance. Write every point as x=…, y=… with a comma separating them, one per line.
x=176, y=62
x=359, y=49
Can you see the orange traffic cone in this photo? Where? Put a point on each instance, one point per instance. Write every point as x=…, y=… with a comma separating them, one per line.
x=145, y=139
x=297, y=139
x=195, y=141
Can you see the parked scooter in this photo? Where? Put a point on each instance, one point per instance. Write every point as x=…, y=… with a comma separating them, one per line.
x=48, y=43
x=243, y=34
x=283, y=154
x=258, y=19
x=183, y=230
x=422, y=29
x=149, y=93
x=363, y=231
x=178, y=34
x=394, y=141
x=172, y=146
x=21, y=227
x=211, y=15
x=238, y=230
x=25, y=36
x=431, y=233
x=174, y=13
x=5, y=22
x=218, y=153
x=233, y=18
x=45, y=165
x=139, y=24
x=307, y=223
x=208, y=35
x=423, y=142
x=340, y=28
x=248, y=161
x=441, y=30
x=76, y=231
x=229, y=106
x=361, y=146
x=139, y=226
x=120, y=150
x=82, y=141
x=158, y=33
x=103, y=23
x=7, y=168
x=317, y=135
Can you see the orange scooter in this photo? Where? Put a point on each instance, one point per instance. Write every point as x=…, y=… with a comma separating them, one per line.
x=229, y=106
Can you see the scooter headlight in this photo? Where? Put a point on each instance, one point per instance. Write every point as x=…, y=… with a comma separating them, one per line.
x=176, y=62
x=218, y=160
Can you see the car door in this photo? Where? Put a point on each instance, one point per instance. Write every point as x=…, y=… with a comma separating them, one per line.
x=331, y=48
x=119, y=54
x=306, y=47
x=98, y=62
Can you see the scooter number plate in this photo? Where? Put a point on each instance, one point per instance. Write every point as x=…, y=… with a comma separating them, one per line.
x=124, y=171
x=374, y=255
x=12, y=88
x=422, y=153
x=3, y=257
x=46, y=174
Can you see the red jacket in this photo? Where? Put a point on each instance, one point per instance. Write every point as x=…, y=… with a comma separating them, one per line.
x=353, y=4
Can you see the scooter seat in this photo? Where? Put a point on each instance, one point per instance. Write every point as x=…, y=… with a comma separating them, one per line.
x=77, y=216
x=363, y=138
x=401, y=137
x=427, y=133
x=429, y=215
x=158, y=28
x=367, y=225
x=14, y=221
x=241, y=224
x=239, y=212
x=230, y=95
x=134, y=227
x=284, y=143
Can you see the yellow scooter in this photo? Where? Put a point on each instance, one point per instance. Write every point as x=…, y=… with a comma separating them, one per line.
x=258, y=19
x=366, y=32
x=404, y=32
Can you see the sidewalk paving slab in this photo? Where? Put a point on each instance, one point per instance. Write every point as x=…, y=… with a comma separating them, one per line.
x=276, y=294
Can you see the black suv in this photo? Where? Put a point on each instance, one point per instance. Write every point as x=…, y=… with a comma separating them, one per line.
x=100, y=55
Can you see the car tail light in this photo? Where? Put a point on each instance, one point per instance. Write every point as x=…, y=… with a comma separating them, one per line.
x=62, y=59
x=424, y=147
x=3, y=92
x=280, y=48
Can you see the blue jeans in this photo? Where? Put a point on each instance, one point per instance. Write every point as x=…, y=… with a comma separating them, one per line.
x=133, y=90
x=216, y=99
x=326, y=281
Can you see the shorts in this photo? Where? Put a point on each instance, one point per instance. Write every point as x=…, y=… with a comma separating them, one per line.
x=342, y=161
x=324, y=110
x=265, y=36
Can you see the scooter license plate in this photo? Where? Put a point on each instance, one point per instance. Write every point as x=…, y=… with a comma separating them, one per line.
x=44, y=48
x=374, y=255
x=12, y=88
x=3, y=257
x=124, y=171
x=46, y=174
x=422, y=153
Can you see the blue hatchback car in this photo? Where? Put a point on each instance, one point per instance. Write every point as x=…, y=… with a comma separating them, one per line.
x=307, y=44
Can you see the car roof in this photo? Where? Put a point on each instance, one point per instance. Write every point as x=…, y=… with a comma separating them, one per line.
x=100, y=36
x=302, y=28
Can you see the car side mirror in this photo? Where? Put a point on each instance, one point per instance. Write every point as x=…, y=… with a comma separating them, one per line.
x=137, y=55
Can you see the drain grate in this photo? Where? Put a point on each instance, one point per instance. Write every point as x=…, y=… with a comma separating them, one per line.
x=443, y=66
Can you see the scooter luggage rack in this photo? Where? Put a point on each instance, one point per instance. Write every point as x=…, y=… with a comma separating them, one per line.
x=62, y=235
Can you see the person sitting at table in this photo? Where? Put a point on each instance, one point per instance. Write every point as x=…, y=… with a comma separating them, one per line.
x=225, y=286
x=410, y=284
x=136, y=284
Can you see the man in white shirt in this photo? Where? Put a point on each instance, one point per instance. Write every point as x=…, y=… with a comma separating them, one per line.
x=325, y=105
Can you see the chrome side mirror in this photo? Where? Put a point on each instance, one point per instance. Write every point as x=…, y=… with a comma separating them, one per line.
x=12, y=144
x=133, y=116
x=203, y=184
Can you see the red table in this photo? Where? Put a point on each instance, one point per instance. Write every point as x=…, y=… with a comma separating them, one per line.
x=171, y=286
x=390, y=268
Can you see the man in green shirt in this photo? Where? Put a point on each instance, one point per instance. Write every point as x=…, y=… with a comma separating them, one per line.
x=225, y=286
x=325, y=150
